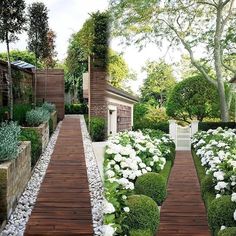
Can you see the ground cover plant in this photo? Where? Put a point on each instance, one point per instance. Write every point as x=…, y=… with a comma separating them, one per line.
x=215, y=160
x=131, y=202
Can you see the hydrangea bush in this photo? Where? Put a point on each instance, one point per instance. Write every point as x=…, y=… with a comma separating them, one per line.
x=129, y=155
x=217, y=152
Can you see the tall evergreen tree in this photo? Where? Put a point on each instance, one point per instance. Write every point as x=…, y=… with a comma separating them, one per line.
x=12, y=20
x=37, y=34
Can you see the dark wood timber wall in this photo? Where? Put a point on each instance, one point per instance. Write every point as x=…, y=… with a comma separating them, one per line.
x=51, y=88
x=97, y=88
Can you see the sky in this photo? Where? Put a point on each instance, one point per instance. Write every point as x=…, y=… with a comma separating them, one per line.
x=67, y=17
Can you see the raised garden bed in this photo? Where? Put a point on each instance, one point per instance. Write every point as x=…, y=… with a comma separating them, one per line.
x=14, y=176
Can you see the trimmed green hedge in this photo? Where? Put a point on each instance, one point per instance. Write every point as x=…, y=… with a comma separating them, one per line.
x=144, y=214
x=204, y=126
x=97, y=129
x=163, y=126
x=77, y=108
x=36, y=145
x=152, y=185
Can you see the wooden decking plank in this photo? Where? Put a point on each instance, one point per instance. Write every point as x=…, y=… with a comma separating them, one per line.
x=183, y=212
x=63, y=205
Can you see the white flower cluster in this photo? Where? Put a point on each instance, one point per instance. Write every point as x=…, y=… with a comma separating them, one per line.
x=216, y=149
x=128, y=156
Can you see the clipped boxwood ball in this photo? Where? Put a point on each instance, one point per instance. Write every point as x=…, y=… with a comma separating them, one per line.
x=231, y=231
x=152, y=185
x=140, y=232
x=221, y=212
x=144, y=213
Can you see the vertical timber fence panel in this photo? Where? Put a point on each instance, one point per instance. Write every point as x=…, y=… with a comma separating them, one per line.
x=51, y=88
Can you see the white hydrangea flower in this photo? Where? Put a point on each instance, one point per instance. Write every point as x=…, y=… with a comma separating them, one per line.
x=108, y=230
x=108, y=208
x=126, y=209
x=233, y=197
x=235, y=215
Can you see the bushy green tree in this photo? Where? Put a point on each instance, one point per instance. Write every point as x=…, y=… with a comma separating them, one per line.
x=37, y=34
x=24, y=55
x=187, y=24
x=193, y=98
x=158, y=83
x=12, y=20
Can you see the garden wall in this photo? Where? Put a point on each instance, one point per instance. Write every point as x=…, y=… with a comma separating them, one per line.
x=51, y=88
x=14, y=176
x=97, y=89
x=22, y=85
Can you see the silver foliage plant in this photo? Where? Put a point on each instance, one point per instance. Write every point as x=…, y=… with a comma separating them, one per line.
x=37, y=116
x=9, y=145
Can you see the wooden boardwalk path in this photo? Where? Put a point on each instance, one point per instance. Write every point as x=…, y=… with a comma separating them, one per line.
x=183, y=212
x=63, y=204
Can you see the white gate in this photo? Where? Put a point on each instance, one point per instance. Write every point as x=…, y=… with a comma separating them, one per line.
x=182, y=135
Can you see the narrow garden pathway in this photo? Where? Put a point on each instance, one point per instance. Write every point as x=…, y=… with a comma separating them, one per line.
x=63, y=205
x=183, y=212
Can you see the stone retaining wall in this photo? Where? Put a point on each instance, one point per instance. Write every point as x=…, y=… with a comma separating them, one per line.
x=14, y=176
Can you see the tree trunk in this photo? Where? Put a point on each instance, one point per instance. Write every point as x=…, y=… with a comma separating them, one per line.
x=35, y=81
x=218, y=67
x=10, y=92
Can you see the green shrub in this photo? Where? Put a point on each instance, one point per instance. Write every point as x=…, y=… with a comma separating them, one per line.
x=49, y=107
x=221, y=212
x=139, y=232
x=152, y=185
x=97, y=127
x=144, y=213
x=204, y=126
x=231, y=231
x=153, y=133
x=36, y=144
x=37, y=116
x=77, y=108
x=145, y=124
x=9, y=145
x=19, y=112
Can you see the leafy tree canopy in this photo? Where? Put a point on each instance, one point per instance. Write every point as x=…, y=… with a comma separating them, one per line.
x=117, y=68
x=193, y=98
x=158, y=83
x=25, y=55
x=38, y=30
x=191, y=24
x=12, y=19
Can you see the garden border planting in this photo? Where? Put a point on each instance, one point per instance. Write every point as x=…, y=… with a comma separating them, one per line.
x=130, y=160
x=14, y=176
x=19, y=217
x=213, y=152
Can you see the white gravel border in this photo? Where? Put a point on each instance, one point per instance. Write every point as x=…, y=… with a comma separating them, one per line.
x=20, y=216
x=94, y=179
